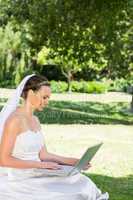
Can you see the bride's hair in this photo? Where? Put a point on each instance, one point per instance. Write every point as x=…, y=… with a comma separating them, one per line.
x=34, y=83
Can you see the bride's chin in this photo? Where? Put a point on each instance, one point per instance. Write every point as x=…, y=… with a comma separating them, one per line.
x=40, y=109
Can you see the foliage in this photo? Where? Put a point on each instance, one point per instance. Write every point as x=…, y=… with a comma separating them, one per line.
x=14, y=54
x=89, y=87
x=119, y=46
x=119, y=85
x=82, y=86
x=42, y=57
x=90, y=36
x=59, y=86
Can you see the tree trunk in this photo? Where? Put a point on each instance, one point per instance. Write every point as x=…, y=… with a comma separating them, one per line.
x=69, y=79
x=69, y=85
x=131, y=104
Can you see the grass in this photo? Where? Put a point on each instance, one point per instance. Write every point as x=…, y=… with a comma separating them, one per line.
x=112, y=166
x=66, y=112
x=118, y=188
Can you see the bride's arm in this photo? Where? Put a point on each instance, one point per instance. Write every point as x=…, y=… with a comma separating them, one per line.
x=45, y=155
x=11, y=130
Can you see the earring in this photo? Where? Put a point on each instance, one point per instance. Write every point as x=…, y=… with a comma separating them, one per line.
x=21, y=100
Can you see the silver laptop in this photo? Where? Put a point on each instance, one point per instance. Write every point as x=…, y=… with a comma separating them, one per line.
x=67, y=170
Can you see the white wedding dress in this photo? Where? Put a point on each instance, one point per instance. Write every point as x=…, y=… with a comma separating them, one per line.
x=28, y=184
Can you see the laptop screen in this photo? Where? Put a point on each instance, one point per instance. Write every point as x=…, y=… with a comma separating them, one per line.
x=87, y=156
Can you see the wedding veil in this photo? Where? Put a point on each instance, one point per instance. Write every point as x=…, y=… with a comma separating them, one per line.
x=12, y=103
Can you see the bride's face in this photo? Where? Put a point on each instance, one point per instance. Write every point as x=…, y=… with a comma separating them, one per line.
x=40, y=98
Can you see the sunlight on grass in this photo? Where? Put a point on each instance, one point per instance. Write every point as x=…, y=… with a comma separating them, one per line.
x=69, y=130
x=111, y=167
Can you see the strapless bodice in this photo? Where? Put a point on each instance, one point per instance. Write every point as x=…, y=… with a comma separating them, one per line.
x=34, y=184
x=27, y=147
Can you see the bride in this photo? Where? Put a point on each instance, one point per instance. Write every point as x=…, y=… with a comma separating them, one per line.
x=24, y=155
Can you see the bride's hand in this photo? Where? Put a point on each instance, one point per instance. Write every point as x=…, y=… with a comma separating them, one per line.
x=87, y=166
x=49, y=165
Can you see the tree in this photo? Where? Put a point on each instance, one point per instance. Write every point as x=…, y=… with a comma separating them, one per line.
x=91, y=34
x=14, y=54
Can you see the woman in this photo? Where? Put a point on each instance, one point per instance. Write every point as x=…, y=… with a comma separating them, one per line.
x=23, y=152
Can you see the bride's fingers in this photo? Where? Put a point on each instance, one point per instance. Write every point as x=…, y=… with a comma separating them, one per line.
x=51, y=165
x=89, y=165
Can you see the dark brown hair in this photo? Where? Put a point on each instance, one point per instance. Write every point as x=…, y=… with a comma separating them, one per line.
x=34, y=83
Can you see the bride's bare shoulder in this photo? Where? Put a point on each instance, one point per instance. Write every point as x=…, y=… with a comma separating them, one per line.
x=12, y=128
x=13, y=121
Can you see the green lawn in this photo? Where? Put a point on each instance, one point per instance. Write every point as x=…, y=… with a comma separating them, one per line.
x=66, y=112
x=73, y=126
x=112, y=167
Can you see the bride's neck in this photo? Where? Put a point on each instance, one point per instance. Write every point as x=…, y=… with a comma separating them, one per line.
x=27, y=109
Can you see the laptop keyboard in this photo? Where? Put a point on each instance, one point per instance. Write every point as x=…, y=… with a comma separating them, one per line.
x=64, y=171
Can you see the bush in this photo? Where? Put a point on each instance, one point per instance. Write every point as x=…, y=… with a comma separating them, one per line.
x=99, y=87
x=120, y=85
x=95, y=87
x=7, y=84
x=89, y=87
x=58, y=86
x=81, y=86
x=76, y=86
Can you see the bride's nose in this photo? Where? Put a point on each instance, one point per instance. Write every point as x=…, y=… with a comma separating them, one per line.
x=45, y=102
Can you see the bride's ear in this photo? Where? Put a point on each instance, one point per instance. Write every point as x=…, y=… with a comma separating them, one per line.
x=30, y=93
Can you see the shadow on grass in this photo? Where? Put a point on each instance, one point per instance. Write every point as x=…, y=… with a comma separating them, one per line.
x=118, y=188
x=67, y=112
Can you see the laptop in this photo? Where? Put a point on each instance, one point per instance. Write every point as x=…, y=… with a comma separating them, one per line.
x=67, y=170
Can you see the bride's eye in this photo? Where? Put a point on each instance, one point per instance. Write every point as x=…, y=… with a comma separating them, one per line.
x=45, y=97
